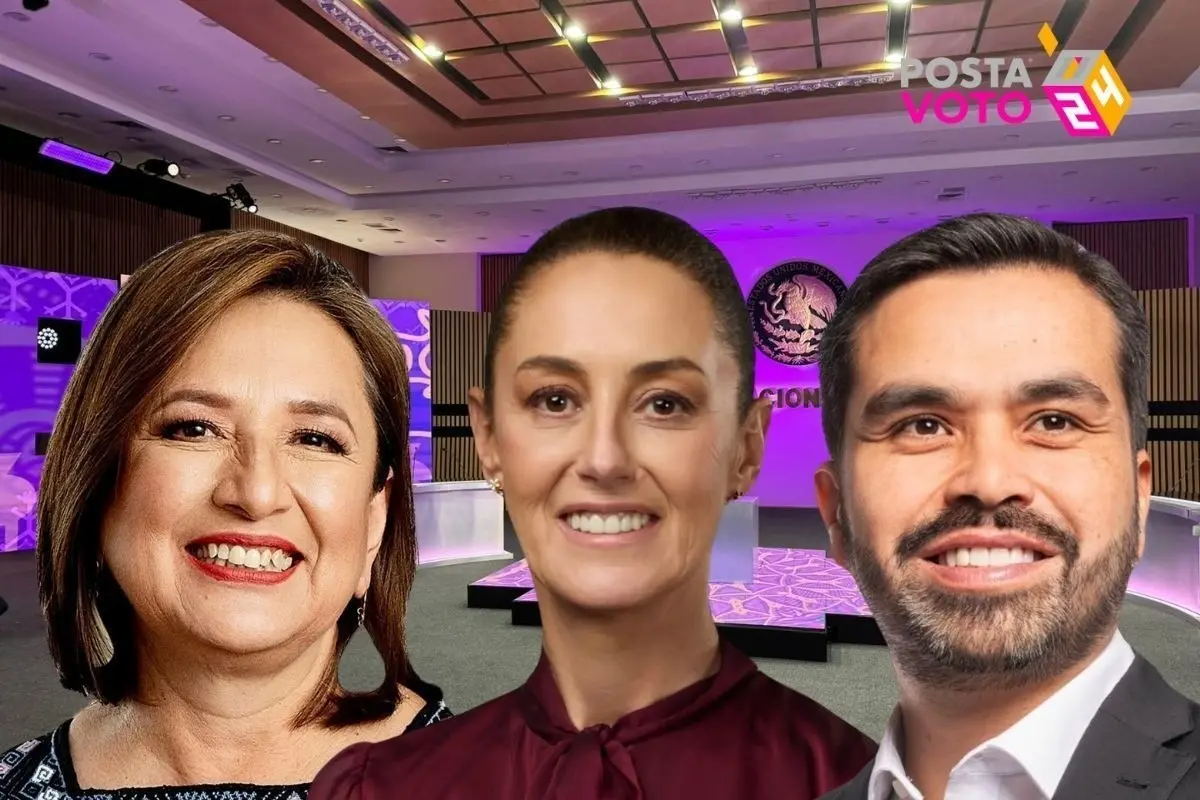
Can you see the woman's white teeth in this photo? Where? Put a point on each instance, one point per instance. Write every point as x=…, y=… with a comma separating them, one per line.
x=608, y=523
x=263, y=559
x=987, y=557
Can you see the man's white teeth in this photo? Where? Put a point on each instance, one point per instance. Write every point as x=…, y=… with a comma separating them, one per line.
x=608, y=523
x=262, y=559
x=987, y=557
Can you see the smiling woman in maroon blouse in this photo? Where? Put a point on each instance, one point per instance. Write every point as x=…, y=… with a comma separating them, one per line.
x=617, y=417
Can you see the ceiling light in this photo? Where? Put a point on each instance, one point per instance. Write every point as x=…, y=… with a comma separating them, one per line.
x=277, y=196
x=322, y=90
x=574, y=33
x=899, y=3
x=160, y=167
x=732, y=15
x=226, y=117
x=364, y=116
x=748, y=71
x=274, y=141
x=369, y=186
x=271, y=59
x=611, y=83
x=316, y=161
x=894, y=58
x=443, y=180
x=432, y=51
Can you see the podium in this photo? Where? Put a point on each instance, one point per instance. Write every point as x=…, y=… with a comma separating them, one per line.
x=458, y=522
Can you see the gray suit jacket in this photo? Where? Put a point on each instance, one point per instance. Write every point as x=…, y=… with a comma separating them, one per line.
x=1144, y=744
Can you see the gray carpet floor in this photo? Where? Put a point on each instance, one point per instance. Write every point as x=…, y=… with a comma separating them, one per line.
x=475, y=655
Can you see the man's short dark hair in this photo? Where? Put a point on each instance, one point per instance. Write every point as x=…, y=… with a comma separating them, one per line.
x=981, y=242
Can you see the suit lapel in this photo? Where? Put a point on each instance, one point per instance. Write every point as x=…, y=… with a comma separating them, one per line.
x=1121, y=756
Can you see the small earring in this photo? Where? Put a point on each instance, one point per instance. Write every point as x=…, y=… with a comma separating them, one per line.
x=496, y=485
x=736, y=495
x=362, y=610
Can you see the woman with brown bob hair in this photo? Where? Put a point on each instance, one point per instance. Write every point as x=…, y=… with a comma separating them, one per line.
x=226, y=499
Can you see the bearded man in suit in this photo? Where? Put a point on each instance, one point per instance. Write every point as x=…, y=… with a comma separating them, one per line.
x=984, y=399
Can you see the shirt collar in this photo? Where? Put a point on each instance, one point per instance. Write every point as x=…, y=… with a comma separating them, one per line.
x=1046, y=738
x=1042, y=742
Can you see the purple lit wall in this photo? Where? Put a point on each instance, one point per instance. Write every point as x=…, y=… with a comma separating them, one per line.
x=30, y=393
x=795, y=446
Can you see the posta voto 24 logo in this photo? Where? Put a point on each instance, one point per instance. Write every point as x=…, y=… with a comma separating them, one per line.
x=1083, y=88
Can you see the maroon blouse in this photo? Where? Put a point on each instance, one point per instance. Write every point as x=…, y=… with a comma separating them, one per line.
x=737, y=735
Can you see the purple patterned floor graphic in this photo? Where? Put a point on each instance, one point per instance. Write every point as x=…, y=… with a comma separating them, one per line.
x=791, y=589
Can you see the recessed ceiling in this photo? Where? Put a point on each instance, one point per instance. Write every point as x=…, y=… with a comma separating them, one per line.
x=325, y=163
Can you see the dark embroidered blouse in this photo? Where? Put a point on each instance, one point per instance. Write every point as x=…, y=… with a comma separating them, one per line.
x=41, y=769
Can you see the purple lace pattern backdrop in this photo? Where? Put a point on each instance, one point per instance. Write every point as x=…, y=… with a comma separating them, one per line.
x=30, y=393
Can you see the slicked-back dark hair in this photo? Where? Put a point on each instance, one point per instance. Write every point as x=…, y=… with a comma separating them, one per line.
x=630, y=231
x=981, y=242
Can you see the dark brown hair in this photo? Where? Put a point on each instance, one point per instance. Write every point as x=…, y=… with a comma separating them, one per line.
x=644, y=232
x=981, y=242
x=169, y=303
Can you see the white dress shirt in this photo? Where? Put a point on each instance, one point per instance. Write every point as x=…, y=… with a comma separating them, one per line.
x=1025, y=762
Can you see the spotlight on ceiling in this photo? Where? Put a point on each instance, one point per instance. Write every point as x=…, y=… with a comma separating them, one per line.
x=432, y=51
x=611, y=84
x=748, y=71
x=894, y=58
x=574, y=33
x=160, y=167
x=35, y=5
x=240, y=198
x=732, y=15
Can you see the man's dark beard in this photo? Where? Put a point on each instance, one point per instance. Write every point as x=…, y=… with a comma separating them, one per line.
x=966, y=641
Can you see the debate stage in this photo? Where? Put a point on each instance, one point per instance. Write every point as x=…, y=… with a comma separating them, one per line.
x=798, y=602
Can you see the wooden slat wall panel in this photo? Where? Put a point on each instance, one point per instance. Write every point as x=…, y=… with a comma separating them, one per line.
x=51, y=223
x=457, y=339
x=353, y=259
x=1175, y=375
x=1149, y=254
x=494, y=271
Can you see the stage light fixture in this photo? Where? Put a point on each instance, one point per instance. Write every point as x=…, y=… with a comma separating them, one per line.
x=59, y=340
x=160, y=167
x=35, y=5
x=241, y=198
x=52, y=148
x=731, y=15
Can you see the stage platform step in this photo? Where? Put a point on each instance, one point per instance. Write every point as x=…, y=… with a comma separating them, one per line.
x=798, y=603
